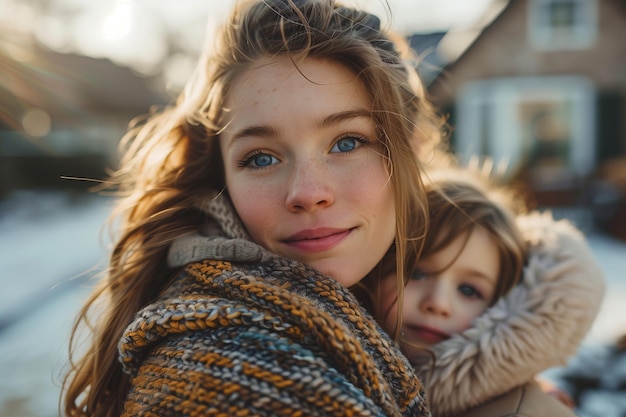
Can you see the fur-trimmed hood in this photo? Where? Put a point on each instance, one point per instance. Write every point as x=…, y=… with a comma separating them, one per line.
x=539, y=324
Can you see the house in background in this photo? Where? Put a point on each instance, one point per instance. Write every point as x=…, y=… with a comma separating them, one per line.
x=539, y=86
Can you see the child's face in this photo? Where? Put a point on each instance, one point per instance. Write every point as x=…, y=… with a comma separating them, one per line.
x=447, y=292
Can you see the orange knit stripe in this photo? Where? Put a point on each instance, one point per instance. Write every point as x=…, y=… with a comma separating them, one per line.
x=202, y=394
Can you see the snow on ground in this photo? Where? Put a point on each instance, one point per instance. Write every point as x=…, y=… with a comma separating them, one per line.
x=50, y=244
x=47, y=240
x=611, y=320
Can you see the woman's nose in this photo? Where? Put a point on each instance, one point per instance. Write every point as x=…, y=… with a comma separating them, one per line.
x=310, y=187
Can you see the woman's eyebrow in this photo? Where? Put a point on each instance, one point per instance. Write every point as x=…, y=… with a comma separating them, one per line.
x=267, y=130
x=345, y=115
x=254, y=131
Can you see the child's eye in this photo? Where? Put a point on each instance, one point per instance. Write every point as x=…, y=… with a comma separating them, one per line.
x=469, y=291
x=258, y=160
x=418, y=275
x=348, y=143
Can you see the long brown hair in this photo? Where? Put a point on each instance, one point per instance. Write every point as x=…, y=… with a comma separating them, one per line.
x=171, y=159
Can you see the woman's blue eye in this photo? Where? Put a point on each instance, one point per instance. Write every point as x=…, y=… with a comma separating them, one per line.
x=347, y=144
x=259, y=160
x=469, y=291
x=263, y=160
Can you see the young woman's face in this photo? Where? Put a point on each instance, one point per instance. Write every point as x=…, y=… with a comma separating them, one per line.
x=448, y=291
x=304, y=168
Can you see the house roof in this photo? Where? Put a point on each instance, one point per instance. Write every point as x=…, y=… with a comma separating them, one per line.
x=69, y=85
x=459, y=39
x=429, y=62
x=475, y=50
x=441, y=49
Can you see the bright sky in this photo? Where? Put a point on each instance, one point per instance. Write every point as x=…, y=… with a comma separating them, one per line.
x=428, y=15
x=132, y=32
x=406, y=15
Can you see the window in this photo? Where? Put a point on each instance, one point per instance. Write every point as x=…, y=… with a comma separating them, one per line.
x=562, y=24
x=537, y=129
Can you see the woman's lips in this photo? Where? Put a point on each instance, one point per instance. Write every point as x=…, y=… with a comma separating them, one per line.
x=425, y=334
x=317, y=240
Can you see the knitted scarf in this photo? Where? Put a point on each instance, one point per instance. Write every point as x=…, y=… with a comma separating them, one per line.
x=242, y=331
x=539, y=324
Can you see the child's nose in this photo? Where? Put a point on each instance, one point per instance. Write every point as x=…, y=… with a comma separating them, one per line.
x=437, y=301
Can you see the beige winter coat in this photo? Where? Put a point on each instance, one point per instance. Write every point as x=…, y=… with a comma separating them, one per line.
x=488, y=369
x=527, y=400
